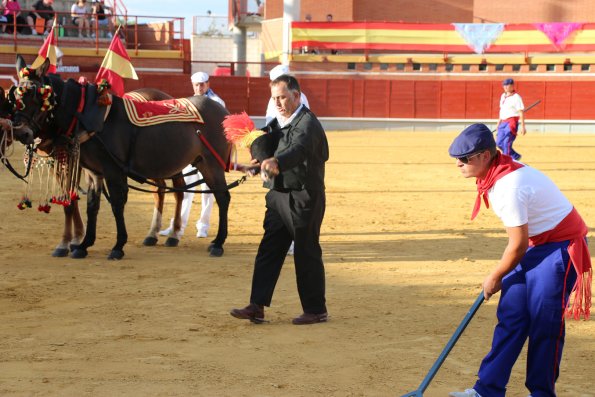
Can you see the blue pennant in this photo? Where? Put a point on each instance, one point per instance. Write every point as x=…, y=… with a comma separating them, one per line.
x=479, y=36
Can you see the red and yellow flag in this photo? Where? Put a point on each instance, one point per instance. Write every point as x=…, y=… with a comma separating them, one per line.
x=47, y=50
x=116, y=66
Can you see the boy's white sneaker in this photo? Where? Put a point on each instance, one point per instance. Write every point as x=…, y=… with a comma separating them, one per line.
x=466, y=393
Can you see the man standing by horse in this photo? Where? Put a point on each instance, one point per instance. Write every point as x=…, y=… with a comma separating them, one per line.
x=201, y=86
x=295, y=205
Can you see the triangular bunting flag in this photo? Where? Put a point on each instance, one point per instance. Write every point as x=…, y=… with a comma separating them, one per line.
x=479, y=36
x=116, y=66
x=558, y=32
x=47, y=50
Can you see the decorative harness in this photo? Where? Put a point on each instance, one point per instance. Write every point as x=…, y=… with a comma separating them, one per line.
x=60, y=183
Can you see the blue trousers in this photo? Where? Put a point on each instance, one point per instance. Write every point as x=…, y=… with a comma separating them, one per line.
x=532, y=303
x=505, y=139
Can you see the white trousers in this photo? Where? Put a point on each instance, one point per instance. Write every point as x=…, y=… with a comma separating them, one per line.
x=207, y=200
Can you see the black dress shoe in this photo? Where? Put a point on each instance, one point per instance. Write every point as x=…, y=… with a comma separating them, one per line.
x=310, y=318
x=252, y=312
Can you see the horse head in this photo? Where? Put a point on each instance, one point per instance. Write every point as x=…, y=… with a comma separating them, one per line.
x=5, y=124
x=34, y=100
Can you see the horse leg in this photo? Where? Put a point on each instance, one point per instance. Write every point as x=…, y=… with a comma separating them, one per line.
x=159, y=199
x=215, y=178
x=61, y=249
x=181, y=214
x=95, y=186
x=77, y=223
x=74, y=230
x=117, y=185
x=223, y=199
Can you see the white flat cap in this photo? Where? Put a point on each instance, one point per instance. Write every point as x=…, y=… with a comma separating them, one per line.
x=278, y=71
x=199, y=77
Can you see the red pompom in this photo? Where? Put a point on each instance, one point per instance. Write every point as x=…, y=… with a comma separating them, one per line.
x=237, y=126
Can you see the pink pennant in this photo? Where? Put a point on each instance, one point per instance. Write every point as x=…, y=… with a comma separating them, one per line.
x=558, y=32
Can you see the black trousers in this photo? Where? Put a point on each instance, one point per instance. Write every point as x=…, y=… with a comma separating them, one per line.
x=297, y=216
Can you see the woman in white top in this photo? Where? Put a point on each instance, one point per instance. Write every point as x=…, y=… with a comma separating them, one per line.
x=79, y=12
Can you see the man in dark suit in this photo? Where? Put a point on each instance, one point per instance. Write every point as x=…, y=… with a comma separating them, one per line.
x=295, y=207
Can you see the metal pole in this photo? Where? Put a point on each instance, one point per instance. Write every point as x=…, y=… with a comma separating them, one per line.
x=453, y=340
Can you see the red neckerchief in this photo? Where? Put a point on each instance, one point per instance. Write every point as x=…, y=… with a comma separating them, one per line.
x=501, y=166
x=573, y=228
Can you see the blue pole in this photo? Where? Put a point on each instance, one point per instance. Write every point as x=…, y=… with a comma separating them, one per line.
x=453, y=340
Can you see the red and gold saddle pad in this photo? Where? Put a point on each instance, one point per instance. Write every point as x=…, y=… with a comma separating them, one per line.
x=143, y=113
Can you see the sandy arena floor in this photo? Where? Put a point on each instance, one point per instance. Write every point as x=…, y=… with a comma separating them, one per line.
x=403, y=261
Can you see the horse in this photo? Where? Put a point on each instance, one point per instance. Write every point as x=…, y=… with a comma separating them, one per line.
x=74, y=230
x=121, y=149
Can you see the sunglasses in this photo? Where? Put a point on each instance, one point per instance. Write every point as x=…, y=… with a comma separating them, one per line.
x=465, y=159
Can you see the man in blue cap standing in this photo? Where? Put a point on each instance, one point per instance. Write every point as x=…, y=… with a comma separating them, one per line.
x=512, y=119
x=546, y=259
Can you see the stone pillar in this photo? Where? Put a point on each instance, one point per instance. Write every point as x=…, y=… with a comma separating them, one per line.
x=239, y=41
x=291, y=12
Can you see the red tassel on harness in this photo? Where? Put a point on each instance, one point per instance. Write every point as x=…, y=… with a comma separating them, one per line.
x=239, y=130
x=237, y=126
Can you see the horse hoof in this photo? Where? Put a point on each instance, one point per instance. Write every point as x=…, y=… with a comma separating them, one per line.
x=216, y=251
x=60, y=252
x=78, y=253
x=172, y=242
x=116, y=255
x=150, y=241
x=210, y=247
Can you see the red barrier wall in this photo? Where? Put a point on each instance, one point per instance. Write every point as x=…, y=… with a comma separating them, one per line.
x=445, y=99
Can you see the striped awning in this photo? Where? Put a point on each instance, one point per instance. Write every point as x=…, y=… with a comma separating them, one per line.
x=442, y=38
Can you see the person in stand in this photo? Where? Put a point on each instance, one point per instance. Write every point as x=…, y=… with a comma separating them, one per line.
x=295, y=206
x=42, y=10
x=12, y=14
x=201, y=86
x=99, y=12
x=546, y=259
x=512, y=119
x=272, y=112
x=80, y=18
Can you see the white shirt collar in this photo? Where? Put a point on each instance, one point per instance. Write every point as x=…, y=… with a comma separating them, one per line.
x=283, y=122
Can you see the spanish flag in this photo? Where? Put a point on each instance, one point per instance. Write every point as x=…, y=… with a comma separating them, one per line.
x=47, y=50
x=116, y=66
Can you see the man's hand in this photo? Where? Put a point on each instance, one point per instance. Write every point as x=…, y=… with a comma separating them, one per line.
x=251, y=169
x=491, y=285
x=269, y=168
x=522, y=129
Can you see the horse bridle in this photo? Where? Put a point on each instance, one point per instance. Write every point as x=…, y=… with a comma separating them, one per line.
x=35, y=124
x=49, y=101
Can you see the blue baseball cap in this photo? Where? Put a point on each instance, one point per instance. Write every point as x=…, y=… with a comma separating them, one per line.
x=508, y=82
x=475, y=138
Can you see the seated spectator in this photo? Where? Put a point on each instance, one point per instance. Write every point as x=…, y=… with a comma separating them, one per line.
x=43, y=10
x=12, y=11
x=79, y=12
x=104, y=23
x=2, y=18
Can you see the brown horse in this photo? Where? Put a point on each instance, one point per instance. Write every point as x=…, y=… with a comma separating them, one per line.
x=121, y=149
x=74, y=230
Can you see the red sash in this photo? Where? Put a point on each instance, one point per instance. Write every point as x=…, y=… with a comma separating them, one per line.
x=513, y=124
x=501, y=166
x=573, y=228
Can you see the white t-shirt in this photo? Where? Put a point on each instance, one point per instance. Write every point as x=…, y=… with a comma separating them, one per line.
x=79, y=11
x=272, y=109
x=527, y=196
x=510, y=106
